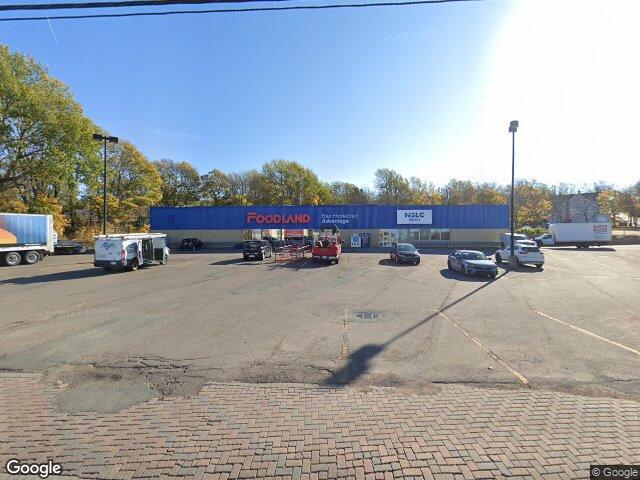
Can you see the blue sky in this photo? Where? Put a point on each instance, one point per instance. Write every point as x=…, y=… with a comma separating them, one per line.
x=426, y=90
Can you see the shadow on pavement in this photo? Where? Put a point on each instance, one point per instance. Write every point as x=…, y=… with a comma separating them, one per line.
x=590, y=249
x=55, y=277
x=236, y=261
x=454, y=275
x=387, y=262
x=359, y=362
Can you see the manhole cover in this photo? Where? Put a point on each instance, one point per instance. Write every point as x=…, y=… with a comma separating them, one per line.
x=369, y=315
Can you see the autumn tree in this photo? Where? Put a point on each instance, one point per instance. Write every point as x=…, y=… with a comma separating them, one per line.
x=285, y=182
x=391, y=187
x=180, y=183
x=133, y=185
x=611, y=202
x=215, y=188
x=532, y=203
x=345, y=193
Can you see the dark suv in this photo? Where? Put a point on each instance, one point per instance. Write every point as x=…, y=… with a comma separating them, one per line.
x=258, y=249
x=191, y=244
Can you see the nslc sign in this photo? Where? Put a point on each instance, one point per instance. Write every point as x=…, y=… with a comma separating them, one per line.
x=277, y=218
x=413, y=217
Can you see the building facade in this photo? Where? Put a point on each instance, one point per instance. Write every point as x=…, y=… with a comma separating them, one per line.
x=364, y=225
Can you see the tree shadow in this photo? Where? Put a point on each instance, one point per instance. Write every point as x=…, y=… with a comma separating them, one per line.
x=55, y=277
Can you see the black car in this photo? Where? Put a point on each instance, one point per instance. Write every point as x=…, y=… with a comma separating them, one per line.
x=69, y=248
x=191, y=244
x=405, y=253
x=258, y=249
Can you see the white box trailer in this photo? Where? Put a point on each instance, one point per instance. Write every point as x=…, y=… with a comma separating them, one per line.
x=581, y=235
x=25, y=238
x=128, y=251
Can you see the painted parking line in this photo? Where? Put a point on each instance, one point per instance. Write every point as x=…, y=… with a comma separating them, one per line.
x=587, y=332
x=521, y=378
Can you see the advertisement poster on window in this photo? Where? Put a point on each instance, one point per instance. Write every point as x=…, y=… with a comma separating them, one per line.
x=366, y=240
x=356, y=240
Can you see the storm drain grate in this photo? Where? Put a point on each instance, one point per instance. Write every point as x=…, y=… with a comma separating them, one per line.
x=369, y=315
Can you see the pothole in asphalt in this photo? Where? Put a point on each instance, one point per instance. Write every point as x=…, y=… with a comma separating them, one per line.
x=111, y=385
x=369, y=315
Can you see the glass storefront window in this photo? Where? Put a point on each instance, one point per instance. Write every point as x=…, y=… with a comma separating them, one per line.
x=252, y=234
x=387, y=237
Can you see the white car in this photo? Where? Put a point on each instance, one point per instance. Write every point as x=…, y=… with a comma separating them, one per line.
x=526, y=251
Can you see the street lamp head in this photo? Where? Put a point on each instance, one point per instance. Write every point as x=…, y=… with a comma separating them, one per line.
x=513, y=126
x=97, y=136
x=113, y=139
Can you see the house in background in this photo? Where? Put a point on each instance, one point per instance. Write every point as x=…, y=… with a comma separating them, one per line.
x=575, y=208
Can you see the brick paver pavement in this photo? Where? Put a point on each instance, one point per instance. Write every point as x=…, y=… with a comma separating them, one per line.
x=235, y=430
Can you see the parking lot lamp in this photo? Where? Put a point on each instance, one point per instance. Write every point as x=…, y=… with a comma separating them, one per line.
x=105, y=139
x=513, y=127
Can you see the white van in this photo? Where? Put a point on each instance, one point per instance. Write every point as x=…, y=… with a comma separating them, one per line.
x=130, y=250
x=505, y=238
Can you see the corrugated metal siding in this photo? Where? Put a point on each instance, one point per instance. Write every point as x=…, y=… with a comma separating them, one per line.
x=346, y=216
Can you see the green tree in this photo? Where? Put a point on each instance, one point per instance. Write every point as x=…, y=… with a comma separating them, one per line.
x=391, y=187
x=215, y=188
x=180, y=183
x=345, y=193
x=43, y=131
x=286, y=182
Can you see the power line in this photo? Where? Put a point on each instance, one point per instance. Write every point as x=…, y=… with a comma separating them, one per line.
x=116, y=4
x=235, y=10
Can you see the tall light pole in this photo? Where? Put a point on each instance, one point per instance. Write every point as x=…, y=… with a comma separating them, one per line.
x=513, y=128
x=104, y=139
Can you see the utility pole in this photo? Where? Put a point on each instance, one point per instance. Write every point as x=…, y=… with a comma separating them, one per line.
x=102, y=138
x=513, y=128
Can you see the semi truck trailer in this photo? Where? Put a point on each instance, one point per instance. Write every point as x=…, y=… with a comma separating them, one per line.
x=25, y=238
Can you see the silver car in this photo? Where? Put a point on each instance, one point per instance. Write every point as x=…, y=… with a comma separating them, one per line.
x=472, y=262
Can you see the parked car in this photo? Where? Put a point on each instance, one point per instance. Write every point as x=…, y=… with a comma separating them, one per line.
x=472, y=262
x=66, y=247
x=405, y=253
x=258, y=249
x=191, y=244
x=526, y=252
x=545, y=239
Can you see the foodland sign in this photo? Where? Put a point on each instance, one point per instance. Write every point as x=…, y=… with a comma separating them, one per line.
x=271, y=218
x=413, y=217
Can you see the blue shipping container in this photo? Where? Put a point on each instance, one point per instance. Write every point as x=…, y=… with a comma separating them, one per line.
x=23, y=229
x=345, y=216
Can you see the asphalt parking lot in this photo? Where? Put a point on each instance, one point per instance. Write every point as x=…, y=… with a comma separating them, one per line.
x=121, y=338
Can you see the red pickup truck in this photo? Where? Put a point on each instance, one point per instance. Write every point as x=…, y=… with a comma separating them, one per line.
x=328, y=246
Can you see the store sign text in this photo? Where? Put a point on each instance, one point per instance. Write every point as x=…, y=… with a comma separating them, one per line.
x=276, y=218
x=418, y=217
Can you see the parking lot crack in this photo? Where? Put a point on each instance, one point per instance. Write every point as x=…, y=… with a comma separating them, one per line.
x=521, y=378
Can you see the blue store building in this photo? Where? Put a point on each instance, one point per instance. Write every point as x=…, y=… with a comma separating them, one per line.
x=373, y=225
